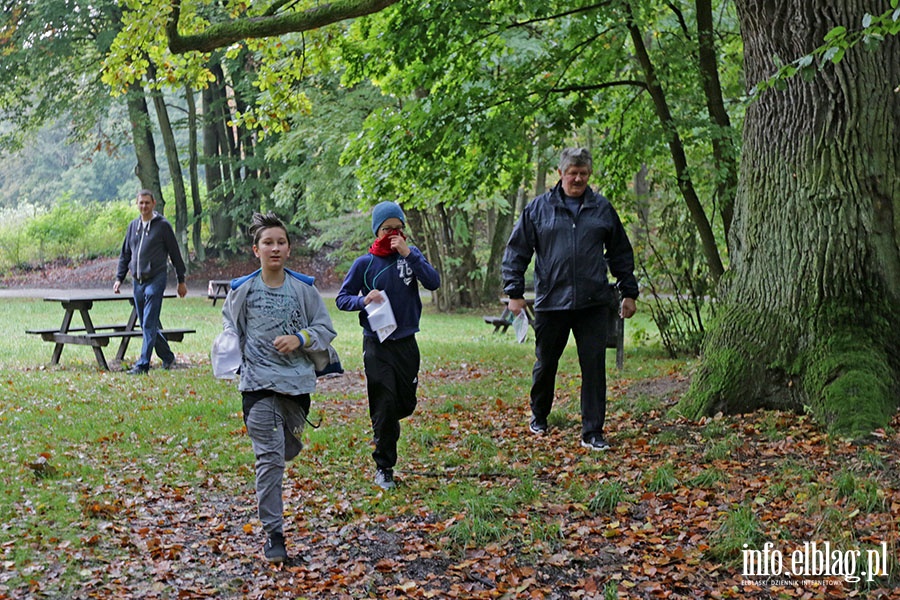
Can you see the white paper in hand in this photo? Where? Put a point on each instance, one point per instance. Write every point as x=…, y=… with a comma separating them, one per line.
x=520, y=326
x=226, y=355
x=381, y=317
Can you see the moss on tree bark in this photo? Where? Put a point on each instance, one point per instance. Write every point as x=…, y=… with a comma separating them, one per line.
x=810, y=310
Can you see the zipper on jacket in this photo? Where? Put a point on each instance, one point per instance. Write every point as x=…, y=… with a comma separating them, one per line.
x=575, y=257
x=143, y=233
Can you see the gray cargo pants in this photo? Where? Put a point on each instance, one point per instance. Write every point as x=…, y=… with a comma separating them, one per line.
x=275, y=426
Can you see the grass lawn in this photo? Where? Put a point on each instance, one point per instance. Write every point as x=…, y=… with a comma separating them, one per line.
x=117, y=486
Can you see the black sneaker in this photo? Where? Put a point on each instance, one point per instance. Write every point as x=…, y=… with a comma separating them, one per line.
x=136, y=370
x=384, y=478
x=594, y=442
x=274, y=549
x=538, y=428
x=169, y=364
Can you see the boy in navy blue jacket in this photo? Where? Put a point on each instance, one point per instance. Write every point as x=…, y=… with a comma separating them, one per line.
x=392, y=366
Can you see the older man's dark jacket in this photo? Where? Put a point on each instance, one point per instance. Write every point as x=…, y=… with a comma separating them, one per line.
x=573, y=253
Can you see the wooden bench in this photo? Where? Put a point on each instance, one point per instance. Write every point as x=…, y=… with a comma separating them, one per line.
x=503, y=322
x=218, y=289
x=47, y=334
x=101, y=339
x=500, y=323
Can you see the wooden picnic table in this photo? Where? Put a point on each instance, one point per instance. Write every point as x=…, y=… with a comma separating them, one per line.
x=97, y=336
x=218, y=289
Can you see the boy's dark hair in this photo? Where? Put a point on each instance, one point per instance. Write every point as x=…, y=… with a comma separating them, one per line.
x=260, y=222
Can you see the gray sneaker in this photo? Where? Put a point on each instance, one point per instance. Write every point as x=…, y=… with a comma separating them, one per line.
x=384, y=478
x=594, y=442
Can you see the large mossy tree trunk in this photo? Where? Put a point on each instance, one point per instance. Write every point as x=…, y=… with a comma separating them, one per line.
x=811, y=309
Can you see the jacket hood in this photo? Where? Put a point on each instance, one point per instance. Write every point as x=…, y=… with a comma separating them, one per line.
x=238, y=281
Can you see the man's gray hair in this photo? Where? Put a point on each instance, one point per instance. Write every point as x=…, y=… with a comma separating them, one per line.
x=577, y=157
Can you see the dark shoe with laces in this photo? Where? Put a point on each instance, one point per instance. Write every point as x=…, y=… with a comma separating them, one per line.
x=169, y=364
x=594, y=442
x=384, y=478
x=538, y=428
x=136, y=370
x=274, y=549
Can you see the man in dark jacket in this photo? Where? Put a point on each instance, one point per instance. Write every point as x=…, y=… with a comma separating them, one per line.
x=149, y=245
x=576, y=235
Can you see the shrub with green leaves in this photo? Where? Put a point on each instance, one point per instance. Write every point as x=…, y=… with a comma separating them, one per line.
x=70, y=230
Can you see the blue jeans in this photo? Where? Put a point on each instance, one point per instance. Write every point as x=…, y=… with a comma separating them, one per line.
x=148, y=297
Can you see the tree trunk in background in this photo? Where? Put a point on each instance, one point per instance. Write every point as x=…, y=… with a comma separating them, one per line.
x=540, y=179
x=501, y=227
x=146, y=169
x=171, y=148
x=449, y=246
x=810, y=311
x=641, y=229
x=220, y=220
x=249, y=200
x=211, y=161
x=676, y=149
x=724, y=152
x=193, y=170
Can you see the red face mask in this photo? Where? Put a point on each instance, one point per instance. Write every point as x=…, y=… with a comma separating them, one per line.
x=382, y=245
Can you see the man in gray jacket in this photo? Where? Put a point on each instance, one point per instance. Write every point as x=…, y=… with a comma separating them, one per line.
x=148, y=246
x=576, y=235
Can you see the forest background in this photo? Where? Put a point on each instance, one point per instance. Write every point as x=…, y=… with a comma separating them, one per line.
x=751, y=148
x=458, y=113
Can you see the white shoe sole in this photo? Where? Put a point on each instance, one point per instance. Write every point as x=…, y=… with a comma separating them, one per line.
x=593, y=447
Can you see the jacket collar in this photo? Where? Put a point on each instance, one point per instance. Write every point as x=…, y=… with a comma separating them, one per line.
x=556, y=196
x=238, y=281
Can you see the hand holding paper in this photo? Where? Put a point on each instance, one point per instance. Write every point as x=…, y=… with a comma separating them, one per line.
x=381, y=317
x=520, y=326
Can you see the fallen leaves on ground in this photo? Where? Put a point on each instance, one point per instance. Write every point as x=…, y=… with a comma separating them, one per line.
x=347, y=539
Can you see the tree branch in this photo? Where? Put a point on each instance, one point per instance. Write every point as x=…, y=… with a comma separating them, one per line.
x=599, y=86
x=567, y=13
x=224, y=34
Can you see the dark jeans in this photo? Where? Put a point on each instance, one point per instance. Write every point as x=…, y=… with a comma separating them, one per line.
x=551, y=329
x=148, y=297
x=392, y=377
